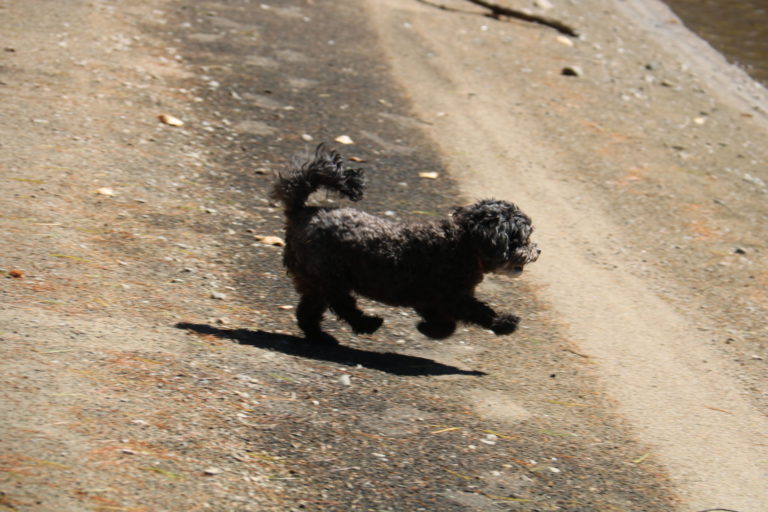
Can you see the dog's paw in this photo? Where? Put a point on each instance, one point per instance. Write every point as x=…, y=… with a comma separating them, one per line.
x=367, y=325
x=436, y=330
x=505, y=324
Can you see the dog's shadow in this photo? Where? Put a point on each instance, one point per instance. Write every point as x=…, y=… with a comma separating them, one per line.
x=330, y=350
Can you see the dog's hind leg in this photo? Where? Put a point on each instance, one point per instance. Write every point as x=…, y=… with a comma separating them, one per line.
x=345, y=306
x=309, y=314
x=477, y=312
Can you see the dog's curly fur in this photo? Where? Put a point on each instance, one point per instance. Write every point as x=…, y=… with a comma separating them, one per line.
x=432, y=267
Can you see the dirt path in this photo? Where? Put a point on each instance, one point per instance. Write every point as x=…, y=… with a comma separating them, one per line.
x=681, y=394
x=149, y=358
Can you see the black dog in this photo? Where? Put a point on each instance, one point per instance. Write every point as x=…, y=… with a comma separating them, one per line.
x=432, y=267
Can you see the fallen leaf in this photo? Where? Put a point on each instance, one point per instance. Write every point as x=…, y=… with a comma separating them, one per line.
x=356, y=159
x=270, y=240
x=170, y=120
x=344, y=139
x=286, y=307
x=29, y=180
x=69, y=257
x=499, y=435
x=268, y=458
x=456, y=473
x=429, y=175
x=49, y=463
x=718, y=409
x=506, y=498
x=641, y=458
x=16, y=273
x=576, y=353
x=448, y=429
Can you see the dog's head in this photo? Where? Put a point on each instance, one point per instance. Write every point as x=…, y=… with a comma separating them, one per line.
x=501, y=233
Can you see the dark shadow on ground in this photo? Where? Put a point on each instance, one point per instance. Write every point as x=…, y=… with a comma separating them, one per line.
x=330, y=350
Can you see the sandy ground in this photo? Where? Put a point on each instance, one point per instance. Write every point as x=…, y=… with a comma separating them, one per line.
x=150, y=358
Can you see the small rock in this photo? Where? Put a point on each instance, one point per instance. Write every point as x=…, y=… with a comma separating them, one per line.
x=213, y=471
x=170, y=120
x=754, y=180
x=345, y=380
x=307, y=137
x=270, y=240
x=571, y=71
x=490, y=439
x=739, y=250
x=344, y=139
x=218, y=295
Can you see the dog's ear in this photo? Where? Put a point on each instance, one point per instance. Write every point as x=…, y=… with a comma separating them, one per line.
x=496, y=227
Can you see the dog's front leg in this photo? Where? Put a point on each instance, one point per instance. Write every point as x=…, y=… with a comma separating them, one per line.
x=345, y=306
x=480, y=313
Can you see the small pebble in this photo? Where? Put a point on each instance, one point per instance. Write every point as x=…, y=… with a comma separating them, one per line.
x=571, y=71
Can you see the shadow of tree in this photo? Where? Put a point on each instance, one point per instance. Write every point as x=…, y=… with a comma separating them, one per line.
x=329, y=349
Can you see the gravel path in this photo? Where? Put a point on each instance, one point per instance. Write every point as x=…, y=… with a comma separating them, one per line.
x=150, y=359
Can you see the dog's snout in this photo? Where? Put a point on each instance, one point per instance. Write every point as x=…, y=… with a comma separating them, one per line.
x=535, y=253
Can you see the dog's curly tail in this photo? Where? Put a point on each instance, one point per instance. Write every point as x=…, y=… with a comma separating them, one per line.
x=325, y=170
